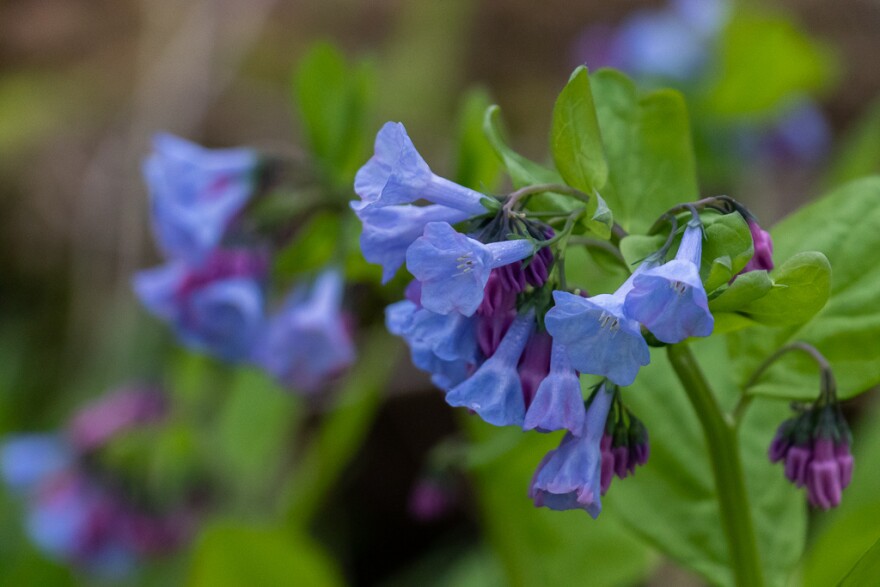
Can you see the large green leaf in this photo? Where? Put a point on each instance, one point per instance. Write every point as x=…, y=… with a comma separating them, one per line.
x=648, y=148
x=866, y=571
x=845, y=226
x=765, y=58
x=231, y=555
x=843, y=534
x=575, y=140
x=537, y=546
x=332, y=100
x=801, y=287
x=672, y=502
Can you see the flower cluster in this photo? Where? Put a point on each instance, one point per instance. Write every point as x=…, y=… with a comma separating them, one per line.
x=814, y=445
x=489, y=318
x=77, y=511
x=213, y=289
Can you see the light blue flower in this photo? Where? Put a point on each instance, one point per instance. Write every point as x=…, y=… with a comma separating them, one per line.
x=670, y=299
x=195, y=193
x=390, y=230
x=308, y=342
x=27, y=460
x=397, y=174
x=454, y=268
x=599, y=337
x=661, y=43
x=494, y=391
x=220, y=316
x=569, y=477
x=558, y=403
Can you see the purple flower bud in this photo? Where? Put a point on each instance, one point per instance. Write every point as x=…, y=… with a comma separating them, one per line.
x=534, y=364
x=115, y=413
x=454, y=269
x=670, y=299
x=845, y=461
x=824, y=485
x=397, y=174
x=494, y=391
x=570, y=476
x=558, y=403
x=797, y=462
x=491, y=330
x=497, y=298
x=538, y=269
x=430, y=500
x=196, y=193
x=308, y=342
x=513, y=277
x=621, y=460
x=763, y=244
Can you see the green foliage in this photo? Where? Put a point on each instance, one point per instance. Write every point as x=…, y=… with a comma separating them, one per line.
x=843, y=534
x=314, y=245
x=538, y=546
x=476, y=166
x=235, y=555
x=726, y=250
x=866, y=570
x=332, y=101
x=672, y=503
x=845, y=227
x=575, y=140
x=648, y=148
x=764, y=58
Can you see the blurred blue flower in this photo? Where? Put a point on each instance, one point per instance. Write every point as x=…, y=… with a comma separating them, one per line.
x=670, y=299
x=195, y=193
x=308, y=343
x=453, y=268
x=217, y=308
x=397, y=174
x=599, y=337
x=660, y=44
x=27, y=460
x=558, y=403
x=494, y=391
x=390, y=230
x=569, y=477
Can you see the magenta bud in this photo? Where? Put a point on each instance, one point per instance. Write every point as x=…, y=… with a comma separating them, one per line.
x=763, y=243
x=796, y=464
x=823, y=476
x=845, y=462
x=607, y=463
x=621, y=460
x=779, y=447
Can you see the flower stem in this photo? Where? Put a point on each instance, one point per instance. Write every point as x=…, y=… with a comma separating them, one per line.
x=720, y=434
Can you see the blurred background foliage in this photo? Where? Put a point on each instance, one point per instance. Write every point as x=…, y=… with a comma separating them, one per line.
x=84, y=85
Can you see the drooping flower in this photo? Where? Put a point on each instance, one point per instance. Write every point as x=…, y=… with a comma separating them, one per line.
x=534, y=365
x=670, y=300
x=390, y=230
x=495, y=314
x=453, y=269
x=495, y=391
x=196, y=193
x=570, y=476
x=815, y=448
x=308, y=342
x=397, y=174
x=763, y=245
x=599, y=337
x=558, y=403
x=216, y=308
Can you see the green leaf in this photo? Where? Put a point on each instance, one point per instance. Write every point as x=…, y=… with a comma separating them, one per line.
x=538, y=546
x=311, y=249
x=575, y=140
x=859, y=152
x=648, y=148
x=800, y=289
x=764, y=59
x=845, y=226
x=672, y=503
x=747, y=288
x=843, y=534
x=726, y=250
x=231, y=555
x=866, y=571
x=477, y=166
x=332, y=100
x=524, y=172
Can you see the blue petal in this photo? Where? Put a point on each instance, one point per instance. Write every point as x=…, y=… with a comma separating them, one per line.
x=396, y=174
x=599, y=337
x=28, y=460
x=558, y=403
